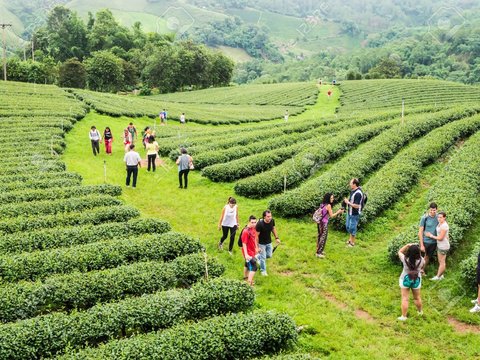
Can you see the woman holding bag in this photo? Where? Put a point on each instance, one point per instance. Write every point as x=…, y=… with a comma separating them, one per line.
x=321, y=217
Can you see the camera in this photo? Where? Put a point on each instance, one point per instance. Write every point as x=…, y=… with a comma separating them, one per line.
x=344, y=205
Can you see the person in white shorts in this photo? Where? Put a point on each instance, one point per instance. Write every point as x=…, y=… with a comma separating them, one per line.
x=443, y=245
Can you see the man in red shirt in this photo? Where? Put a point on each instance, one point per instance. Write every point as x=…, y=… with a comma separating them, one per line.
x=250, y=249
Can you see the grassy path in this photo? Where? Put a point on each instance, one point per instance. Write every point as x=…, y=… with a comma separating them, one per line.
x=349, y=301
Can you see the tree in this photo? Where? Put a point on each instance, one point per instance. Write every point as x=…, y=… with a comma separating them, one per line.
x=64, y=35
x=72, y=74
x=387, y=68
x=104, y=72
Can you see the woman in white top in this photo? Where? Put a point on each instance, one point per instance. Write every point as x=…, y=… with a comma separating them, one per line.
x=411, y=277
x=228, y=222
x=443, y=245
x=152, y=152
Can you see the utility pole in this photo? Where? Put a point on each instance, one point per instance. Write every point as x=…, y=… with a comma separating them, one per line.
x=4, y=26
x=33, y=47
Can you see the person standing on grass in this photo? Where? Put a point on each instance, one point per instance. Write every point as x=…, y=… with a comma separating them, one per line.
x=185, y=163
x=265, y=227
x=146, y=135
x=321, y=217
x=108, y=138
x=476, y=302
x=354, y=204
x=127, y=139
x=95, y=139
x=428, y=224
x=133, y=161
x=133, y=132
x=443, y=245
x=182, y=118
x=250, y=250
x=152, y=152
x=286, y=116
x=228, y=222
x=411, y=277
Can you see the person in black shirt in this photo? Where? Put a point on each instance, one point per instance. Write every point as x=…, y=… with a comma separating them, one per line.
x=265, y=227
x=354, y=208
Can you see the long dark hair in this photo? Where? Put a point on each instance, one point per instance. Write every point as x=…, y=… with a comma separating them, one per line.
x=326, y=199
x=412, y=256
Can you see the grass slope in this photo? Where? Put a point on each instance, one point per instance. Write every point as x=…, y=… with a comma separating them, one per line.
x=349, y=301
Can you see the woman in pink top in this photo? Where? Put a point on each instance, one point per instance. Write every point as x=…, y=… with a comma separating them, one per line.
x=321, y=217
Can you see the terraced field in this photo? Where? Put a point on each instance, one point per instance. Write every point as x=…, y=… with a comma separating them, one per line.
x=79, y=267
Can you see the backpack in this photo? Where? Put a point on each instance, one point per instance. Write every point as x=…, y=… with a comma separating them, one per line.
x=411, y=279
x=240, y=244
x=363, y=201
x=318, y=214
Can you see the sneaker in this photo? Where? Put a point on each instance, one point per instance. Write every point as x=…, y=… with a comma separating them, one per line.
x=475, y=302
x=402, y=318
x=220, y=246
x=436, y=278
x=350, y=244
x=264, y=273
x=231, y=254
x=475, y=309
x=321, y=256
x=420, y=313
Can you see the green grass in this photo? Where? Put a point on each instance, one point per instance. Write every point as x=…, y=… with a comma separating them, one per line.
x=325, y=295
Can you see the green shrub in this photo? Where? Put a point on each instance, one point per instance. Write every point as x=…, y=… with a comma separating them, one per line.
x=83, y=290
x=95, y=256
x=49, y=335
x=70, y=236
x=236, y=336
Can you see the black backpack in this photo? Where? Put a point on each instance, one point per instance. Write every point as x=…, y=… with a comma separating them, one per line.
x=240, y=244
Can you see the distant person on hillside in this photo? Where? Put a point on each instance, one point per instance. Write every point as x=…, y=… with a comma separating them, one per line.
x=152, y=152
x=182, y=118
x=411, y=277
x=321, y=217
x=185, y=164
x=108, y=138
x=443, y=244
x=228, y=223
x=127, y=139
x=265, y=227
x=250, y=250
x=354, y=207
x=476, y=302
x=428, y=224
x=133, y=132
x=161, y=116
x=95, y=139
x=286, y=116
x=133, y=161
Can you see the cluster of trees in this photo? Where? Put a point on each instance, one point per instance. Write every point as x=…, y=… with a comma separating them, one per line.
x=235, y=33
x=396, y=53
x=105, y=56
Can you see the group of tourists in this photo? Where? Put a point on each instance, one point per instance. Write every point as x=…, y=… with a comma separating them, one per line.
x=132, y=158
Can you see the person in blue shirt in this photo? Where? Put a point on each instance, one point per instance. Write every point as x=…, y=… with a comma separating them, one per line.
x=428, y=224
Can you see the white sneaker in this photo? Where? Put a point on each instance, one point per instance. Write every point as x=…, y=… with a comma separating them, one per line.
x=474, y=302
x=231, y=254
x=475, y=309
x=436, y=278
x=402, y=318
x=420, y=313
x=321, y=256
x=264, y=273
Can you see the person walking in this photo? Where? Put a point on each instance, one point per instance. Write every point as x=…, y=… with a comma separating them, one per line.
x=321, y=217
x=95, y=139
x=127, y=139
x=476, y=302
x=354, y=208
x=428, y=223
x=146, y=135
x=133, y=161
x=228, y=223
x=265, y=227
x=443, y=244
x=108, y=139
x=152, y=152
x=250, y=250
x=133, y=132
x=411, y=277
x=185, y=163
